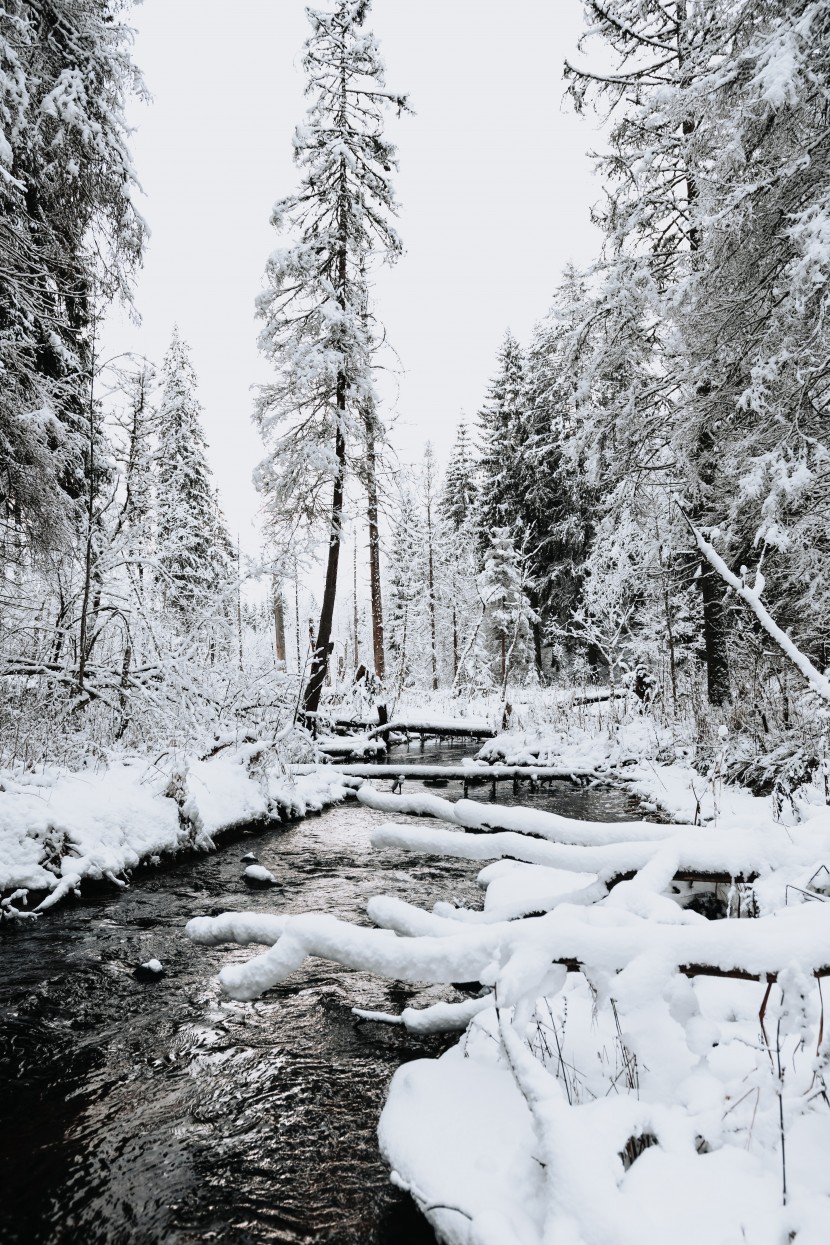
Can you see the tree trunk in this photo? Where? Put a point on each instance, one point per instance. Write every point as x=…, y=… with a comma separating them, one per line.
x=239, y=604
x=356, y=618
x=454, y=643
x=123, y=699
x=297, y=620
x=279, y=625
x=323, y=647
x=538, y=657
x=90, y=552
x=374, y=553
x=714, y=615
x=319, y=662
x=714, y=634
x=432, y=598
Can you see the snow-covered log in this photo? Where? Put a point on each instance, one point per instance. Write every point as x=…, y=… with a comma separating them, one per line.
x=694, y=852
x=752, y=597
x=465, y=773
x=516, y=957
x=536, y=823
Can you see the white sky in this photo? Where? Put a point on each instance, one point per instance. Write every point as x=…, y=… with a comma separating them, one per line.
x=494, y=184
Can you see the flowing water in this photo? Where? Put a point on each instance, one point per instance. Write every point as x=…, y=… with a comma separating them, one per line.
x=143, y=1112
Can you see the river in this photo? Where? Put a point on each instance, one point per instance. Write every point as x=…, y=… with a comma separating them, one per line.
x=142, y=1112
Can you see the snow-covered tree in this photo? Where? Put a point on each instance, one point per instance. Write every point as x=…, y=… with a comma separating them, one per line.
x=715, y=267
x=458, y=560
x=135, y=453
x=193, y=548
x=316, y=332
x=501, y=429
x=405, y=614
x=460, y=490
x=503, y=589
x=70, y=234
x=554, y=500
x=651, y=218
x=756, y=309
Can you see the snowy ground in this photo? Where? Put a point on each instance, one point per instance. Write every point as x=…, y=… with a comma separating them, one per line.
x=630, y=1072
x=59, y=827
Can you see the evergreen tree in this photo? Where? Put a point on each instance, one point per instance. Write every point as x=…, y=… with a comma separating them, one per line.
x=756, y=309
x=316, y=330
x=193, y=547
x=70, y=233
x=460, y=491
x=717, y=204
x=135, y=454
x=655, y=235
x=555, y=501
x=458, y=545
x=501, y=430
x=406, y=589
x=503, y=590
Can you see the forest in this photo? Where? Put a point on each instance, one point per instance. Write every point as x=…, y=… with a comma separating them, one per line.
x=615, y=582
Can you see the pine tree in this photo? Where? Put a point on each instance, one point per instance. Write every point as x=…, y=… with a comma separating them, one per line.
x=458, y=543
x=503, y=589
x=756, y=311
x=137, y=426
x=501, y=429
x=406, y=589
x=718, y=187
x=555, y=500
x=193, y=546
x=460, y=491
x=655, y=235
x=70, y=235
x=316, y=332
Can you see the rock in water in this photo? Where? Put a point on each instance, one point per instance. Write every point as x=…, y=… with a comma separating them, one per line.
x=151, y=971
x=257, y=875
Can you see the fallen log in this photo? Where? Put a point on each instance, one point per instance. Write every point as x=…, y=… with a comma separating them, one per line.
x=464, y=773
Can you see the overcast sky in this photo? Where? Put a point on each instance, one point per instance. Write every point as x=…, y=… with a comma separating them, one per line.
x=495, y=188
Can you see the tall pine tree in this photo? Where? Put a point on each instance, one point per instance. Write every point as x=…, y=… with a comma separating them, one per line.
x=193, y=548
x=316, y=331
x=70, y=237
x=501, y=429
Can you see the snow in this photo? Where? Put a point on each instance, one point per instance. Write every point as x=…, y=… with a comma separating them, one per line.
x=153, y=966
x=474, y=815
x=752, y=596
x=258, y=873
x=611, y=1086
x=467, y=772
x=59, y=827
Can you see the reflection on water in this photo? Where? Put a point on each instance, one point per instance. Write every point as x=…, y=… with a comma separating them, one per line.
x=160, y=1112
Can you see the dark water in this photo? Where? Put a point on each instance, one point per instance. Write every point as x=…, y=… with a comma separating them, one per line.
x=160, y=1112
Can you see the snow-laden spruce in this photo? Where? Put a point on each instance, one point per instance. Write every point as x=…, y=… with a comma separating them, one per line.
x=72, y=239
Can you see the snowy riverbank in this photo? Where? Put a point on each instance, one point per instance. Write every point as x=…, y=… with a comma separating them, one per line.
x=632, y=1070
x=59, y=827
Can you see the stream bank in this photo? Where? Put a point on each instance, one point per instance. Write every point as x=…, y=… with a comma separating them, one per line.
x=145, y=1112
